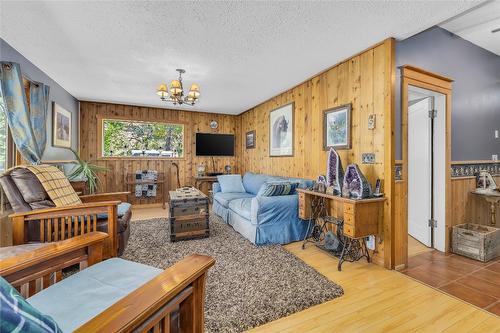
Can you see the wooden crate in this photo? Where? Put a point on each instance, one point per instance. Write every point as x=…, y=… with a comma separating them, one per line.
x=476, y=241
x=189, y=216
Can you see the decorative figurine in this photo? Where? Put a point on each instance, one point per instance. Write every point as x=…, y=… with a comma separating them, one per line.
x=320, y=185
x=356, y=184
x=335, y=172
x=200, y=169
x=227, y=168
x=485, y=182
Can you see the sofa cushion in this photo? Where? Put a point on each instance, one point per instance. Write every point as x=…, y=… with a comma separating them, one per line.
x=230, y=183
x=225, y=198
x=253, y=182
x=242, y=207
x=28, y=184
x=17, y=315
x=277, y=188
x=15, y=198
x=122, y=209
x=303, y=183
x=84, y=295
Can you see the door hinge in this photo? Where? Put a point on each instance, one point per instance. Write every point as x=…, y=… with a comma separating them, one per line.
x=433, y=114
x=433, y=223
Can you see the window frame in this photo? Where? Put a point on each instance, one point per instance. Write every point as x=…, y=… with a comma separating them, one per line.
x=100, y=139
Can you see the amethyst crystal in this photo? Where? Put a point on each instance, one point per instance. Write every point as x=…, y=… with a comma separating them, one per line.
x=356, y=183
x=321, y=179
x=335, y=172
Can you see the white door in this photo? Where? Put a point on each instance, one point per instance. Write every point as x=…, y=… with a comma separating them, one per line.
x=419, y=170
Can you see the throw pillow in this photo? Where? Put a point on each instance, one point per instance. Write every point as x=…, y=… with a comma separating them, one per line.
x=18, y=315
x=273, y=189
x=230, y=183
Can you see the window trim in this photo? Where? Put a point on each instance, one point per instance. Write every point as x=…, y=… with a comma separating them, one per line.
x=100, y=141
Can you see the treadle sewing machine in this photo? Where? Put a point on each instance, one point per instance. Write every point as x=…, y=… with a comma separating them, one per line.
x=354, y=219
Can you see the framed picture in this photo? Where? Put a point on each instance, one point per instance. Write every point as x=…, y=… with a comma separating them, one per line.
x=281, y=124
x=337, y=127
x=250, y=140
x=61, y=127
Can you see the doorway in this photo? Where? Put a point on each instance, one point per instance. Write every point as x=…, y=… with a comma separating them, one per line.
x=426, y=123
x=423, y=189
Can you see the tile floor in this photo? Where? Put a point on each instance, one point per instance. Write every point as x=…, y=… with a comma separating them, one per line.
x=470, y=280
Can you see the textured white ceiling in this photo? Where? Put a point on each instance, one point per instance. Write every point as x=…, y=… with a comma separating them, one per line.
x=241, y=53
x=476, y=26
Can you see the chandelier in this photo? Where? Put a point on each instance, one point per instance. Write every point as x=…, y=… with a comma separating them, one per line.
x=177, y=92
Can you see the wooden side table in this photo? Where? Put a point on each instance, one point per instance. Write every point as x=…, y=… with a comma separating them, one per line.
x=200, y=180
x=493, y=198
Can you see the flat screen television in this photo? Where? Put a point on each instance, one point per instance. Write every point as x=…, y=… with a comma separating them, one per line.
x=208, y=144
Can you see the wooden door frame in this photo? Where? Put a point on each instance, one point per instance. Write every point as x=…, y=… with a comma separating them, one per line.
x=417, y=77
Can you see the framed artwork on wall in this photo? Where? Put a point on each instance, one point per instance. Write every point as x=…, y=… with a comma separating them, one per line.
x=337, y=127
x=61, y=126
x=250, y=140
x=281, y=124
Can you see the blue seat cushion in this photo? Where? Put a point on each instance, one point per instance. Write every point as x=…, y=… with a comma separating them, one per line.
x=77, y=299
x=225, y=198
x=121, y=210
x=242, y=207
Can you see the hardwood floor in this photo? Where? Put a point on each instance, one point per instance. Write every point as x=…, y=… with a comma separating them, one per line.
x=375, y=300
x=416, y=248
x=470, y=280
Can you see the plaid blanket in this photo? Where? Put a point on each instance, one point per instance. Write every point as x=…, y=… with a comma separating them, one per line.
x=55, y=183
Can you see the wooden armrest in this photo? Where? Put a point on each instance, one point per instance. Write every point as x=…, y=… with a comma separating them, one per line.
x=86, y=208
x=120, y=196
x=50, y=251
x=135, y=308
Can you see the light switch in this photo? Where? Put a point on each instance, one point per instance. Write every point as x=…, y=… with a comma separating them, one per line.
x=496, y=134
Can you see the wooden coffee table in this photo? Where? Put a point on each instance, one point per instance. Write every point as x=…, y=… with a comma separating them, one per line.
x=189, y=215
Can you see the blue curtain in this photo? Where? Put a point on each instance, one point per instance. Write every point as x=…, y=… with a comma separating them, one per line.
x=21, y=124
x=39, y=105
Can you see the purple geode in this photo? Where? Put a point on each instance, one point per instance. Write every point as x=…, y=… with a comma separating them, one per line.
x=356, y=183
x=334, y=171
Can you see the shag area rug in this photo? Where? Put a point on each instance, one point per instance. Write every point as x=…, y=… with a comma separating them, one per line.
x=248, y=286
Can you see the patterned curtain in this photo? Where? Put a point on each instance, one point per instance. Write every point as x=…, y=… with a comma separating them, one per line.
x=39, y=105
x=13, y=103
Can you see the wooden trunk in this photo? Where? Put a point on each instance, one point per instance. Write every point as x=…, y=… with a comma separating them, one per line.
x=476, y=241
x=189, y=216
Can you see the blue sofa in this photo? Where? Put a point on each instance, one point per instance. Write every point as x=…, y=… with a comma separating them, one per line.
x=262, y=220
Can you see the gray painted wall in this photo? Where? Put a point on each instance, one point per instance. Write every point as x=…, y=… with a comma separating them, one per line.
x=57, y=94
x=476, y=89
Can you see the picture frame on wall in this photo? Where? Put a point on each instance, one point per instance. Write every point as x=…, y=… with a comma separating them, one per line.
x=281, y=123
x=250, y=140
x=337, y=127
x=61, y=126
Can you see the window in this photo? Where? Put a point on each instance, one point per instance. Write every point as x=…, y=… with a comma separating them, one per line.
x=125, y=138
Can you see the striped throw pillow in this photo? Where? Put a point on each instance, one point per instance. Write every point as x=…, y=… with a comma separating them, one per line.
x=273, y=189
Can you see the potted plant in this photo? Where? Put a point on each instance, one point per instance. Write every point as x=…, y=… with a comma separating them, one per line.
x=87, y=172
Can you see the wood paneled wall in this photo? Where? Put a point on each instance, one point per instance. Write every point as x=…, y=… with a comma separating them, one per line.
x=400, y=225
x=365, y=81
x=115, y=179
